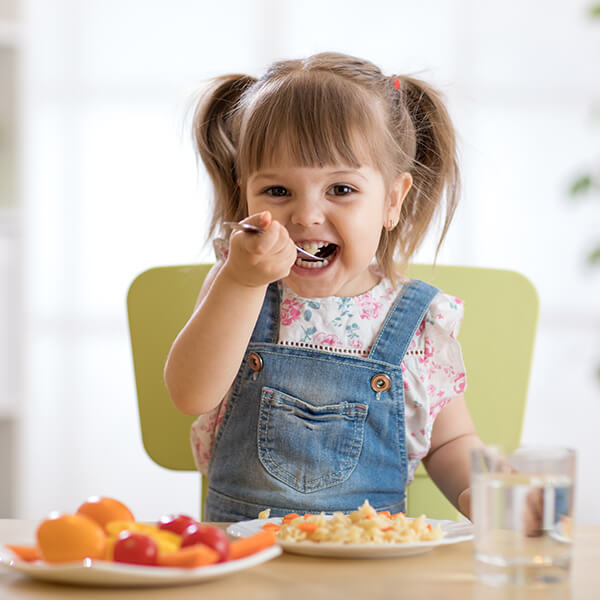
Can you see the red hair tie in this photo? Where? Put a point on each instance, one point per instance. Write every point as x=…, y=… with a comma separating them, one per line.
x=396, y=82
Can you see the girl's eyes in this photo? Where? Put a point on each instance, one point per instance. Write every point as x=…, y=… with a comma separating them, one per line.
x=339, y=189
x=277, y=191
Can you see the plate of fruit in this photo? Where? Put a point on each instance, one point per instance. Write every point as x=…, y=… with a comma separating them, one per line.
x=101, y=544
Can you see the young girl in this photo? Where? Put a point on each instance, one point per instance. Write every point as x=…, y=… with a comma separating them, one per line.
x=323, y=382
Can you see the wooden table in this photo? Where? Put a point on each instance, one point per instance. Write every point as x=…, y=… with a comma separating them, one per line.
x=445, y=572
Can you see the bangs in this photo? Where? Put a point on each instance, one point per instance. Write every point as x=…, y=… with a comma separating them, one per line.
x=310, y=119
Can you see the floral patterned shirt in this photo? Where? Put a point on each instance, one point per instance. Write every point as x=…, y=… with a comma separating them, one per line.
x=433, y=369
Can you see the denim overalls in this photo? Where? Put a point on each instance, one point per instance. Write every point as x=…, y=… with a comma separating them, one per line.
x=310, y=431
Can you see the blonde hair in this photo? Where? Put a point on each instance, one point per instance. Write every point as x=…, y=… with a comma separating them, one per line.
x=314, y=111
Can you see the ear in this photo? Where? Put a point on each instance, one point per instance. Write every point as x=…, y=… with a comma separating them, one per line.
x=398, y=190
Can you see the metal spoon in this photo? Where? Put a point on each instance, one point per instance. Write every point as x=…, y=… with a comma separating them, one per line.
x=255, y=229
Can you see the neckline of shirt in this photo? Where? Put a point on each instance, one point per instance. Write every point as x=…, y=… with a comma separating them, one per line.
x=376, y=289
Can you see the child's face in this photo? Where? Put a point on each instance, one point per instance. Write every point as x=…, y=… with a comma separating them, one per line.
x=340, y=205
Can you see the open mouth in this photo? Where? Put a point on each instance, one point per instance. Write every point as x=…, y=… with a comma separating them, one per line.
x=323, y=253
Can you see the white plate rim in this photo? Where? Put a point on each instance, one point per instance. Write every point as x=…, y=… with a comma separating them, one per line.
x=104, y=573
x=456, y=532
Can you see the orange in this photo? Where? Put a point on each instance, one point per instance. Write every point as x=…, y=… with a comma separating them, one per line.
x=65, y=538
x=104, y=510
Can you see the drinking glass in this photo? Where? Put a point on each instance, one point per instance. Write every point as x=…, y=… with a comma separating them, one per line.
x=522, y=513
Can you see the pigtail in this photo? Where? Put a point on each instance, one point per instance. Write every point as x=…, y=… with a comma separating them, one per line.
x=426, y=134
x=215, y=133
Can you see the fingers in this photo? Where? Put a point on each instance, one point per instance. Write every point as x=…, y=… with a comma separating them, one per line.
x=269, y=242
x=259, y=258
x=464, y=502
x=274, y=239
x=262, y=219
x=534, y=513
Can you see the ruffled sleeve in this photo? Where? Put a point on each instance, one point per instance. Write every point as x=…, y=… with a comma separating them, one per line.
x=441, y=363
x=433, y=372
x=203, y=432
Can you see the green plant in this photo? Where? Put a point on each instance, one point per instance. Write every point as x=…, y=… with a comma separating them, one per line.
x=587, y=185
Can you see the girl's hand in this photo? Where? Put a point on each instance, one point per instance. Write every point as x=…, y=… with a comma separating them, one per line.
x=532, y=514
x=464, y=502
x=256, y=260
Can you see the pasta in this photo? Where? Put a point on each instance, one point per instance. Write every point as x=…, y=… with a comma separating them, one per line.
x=363, y=526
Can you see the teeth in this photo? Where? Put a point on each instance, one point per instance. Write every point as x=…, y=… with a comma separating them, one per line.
x=312, y=264
x=312, y=247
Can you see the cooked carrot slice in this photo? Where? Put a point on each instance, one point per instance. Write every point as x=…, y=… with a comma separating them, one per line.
x=290, y=517
x=307, y=515
x=26, y=553
x=252, y=544
x=308, y=527
x=272, y=526
x=189, y=557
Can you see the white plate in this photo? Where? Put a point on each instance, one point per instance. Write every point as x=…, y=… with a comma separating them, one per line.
x=102, y=573
x=454, y=531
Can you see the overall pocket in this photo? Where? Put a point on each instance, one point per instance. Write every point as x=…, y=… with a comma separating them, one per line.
x=307, y=446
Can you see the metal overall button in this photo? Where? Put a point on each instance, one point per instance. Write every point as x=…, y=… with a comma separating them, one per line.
x=255, y=361
x=380, y=383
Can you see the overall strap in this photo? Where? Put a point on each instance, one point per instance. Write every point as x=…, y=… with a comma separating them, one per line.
x=402, y=322
x=266, y=329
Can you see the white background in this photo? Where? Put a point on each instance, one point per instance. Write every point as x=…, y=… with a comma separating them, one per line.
x=110, y=187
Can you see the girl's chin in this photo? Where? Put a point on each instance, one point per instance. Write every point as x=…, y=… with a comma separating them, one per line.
x=328, y=281
x=312, y=282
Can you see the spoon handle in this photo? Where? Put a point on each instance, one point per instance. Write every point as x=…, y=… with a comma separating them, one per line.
x=255, y=229
x=244, y=227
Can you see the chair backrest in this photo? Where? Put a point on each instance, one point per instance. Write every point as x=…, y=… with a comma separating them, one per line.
x=159, y=303
x=497, y=336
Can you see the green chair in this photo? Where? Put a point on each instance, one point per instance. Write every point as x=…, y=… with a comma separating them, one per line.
x=159, y=303
x=497, y=336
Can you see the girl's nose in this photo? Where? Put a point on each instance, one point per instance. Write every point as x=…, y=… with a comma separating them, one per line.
x=307, y=212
